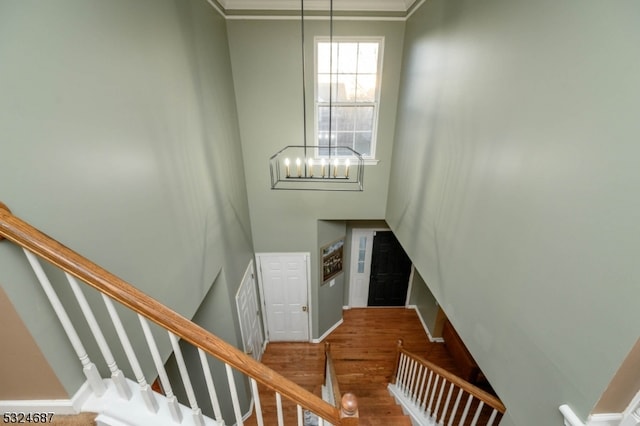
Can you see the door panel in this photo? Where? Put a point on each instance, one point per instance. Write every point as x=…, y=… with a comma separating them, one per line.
x=284, y=284
x=250, y=315
x=390, y=270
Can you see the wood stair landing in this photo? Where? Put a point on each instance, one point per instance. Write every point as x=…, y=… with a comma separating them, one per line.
x=363, y=349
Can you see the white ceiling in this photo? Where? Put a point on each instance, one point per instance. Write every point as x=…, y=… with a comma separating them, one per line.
x=338, y=5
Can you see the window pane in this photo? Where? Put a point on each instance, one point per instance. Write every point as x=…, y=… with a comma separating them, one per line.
x=346, y=88
x=345, y=119
x=323, y=58
x=323, y=118
x=323, y=138
x=366, y=88
x=347, y=57
x=325, y=53
x=368, y=58
x=323, y=88
x=364, y=118
x=362, y=251
x=363, y=143
x=345, y=139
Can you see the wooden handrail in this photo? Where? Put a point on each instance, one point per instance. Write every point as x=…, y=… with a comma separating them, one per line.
x=347, y=403
x=21, y=233
x=482, y=395
x=3, y=207
x=331, y=372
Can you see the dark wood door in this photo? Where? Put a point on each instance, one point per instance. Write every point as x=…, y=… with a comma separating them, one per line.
x=390, y=270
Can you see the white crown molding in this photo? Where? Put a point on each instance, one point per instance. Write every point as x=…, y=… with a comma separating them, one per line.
x=339, y=5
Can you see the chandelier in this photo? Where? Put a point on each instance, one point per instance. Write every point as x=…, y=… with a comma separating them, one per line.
x=324, y=166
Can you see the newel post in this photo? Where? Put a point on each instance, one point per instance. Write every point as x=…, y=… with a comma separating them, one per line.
x=4, y=207
x=396, y=365
x=349, y=410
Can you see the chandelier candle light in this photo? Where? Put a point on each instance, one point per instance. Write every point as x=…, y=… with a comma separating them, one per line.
x=325, y=166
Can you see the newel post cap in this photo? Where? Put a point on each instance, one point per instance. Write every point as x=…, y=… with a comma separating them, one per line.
x=349, y=405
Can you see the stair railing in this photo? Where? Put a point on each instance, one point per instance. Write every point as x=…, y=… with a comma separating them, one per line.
x=444, y=397
x=347, y=403
x=36, y=245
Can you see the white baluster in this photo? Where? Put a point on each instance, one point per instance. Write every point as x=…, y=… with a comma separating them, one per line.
x=494, y=413
x=426, y=393
x=455, y=407
x=279, y=406
x=116, y=374
x=466, y=410
x=435, y=410
x=210, y=386
x=89, y=368
x=257, y=404
x=300, y=418
x=405, y=375
x=477, y=416
x=412, y=376
x=145, y=390
x=401, y=372
x=433, y=394
x=172, y=401
x=184, y=374
x=446, y=404
x=417, y=389
x=234, y=396
x=422, y=385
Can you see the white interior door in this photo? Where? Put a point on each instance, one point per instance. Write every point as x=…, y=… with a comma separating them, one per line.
x=284, y=283
x=361, y=248
x=249, y=315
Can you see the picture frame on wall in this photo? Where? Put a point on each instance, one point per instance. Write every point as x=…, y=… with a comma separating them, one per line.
x=332, y=258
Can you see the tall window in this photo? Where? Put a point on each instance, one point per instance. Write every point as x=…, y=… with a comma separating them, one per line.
x=354, y=66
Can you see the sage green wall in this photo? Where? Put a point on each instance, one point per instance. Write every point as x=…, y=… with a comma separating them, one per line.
x=120, y=138
x=331, y=297
x=424, y=301
x=514, y=188
x=266, y=63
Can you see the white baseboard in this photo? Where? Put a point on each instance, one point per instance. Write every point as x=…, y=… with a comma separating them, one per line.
x=605, y=419
x=424, y=325
x=62, y=407
x=629, y=417
x=328, y=332
x=55, y=406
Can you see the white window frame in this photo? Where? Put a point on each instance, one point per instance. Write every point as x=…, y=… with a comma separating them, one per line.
x=371, y=158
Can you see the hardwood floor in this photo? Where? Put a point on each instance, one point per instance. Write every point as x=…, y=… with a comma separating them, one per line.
x=363, y=348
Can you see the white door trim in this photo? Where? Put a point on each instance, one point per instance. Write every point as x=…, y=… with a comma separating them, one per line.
x=307, y=257
x=353, y=262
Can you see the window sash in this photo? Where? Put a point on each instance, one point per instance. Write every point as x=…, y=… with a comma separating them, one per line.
x=353, y=135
